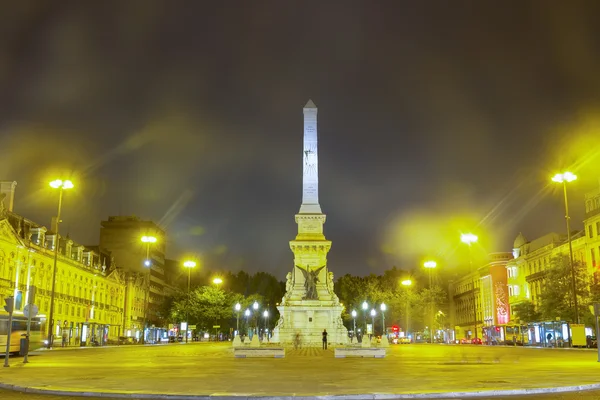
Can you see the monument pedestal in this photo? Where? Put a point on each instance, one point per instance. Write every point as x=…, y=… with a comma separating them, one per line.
x=309, y=318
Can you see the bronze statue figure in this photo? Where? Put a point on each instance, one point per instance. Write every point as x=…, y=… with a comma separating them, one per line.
x=311, y=278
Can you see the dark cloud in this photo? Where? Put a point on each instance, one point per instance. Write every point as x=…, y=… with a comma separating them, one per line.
x=433, y=118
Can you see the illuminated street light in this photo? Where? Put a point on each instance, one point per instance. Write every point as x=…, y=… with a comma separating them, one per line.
x=383, y=307
x=407, y=284
x=217, y=281
x=365, y=307
x=189, y=264
x=373, y=313
x=238, y=307
x=430, y=265
x=148, y=240
x=247, y=314
x=469, y=239
x=354, y=318
x=564, y=178
x=266, y=315
x=61, y=186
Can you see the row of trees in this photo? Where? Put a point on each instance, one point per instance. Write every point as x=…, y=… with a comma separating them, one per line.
x=208, y=305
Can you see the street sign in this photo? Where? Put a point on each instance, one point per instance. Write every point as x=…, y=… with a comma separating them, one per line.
x=192, y=327
x=216, y=326
x=30, y=308
x=9, y=304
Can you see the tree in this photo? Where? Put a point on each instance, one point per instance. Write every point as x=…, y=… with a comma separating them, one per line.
x=526, y=312
x=556, y=299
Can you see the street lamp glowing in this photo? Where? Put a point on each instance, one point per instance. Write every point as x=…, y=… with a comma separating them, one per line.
x=564, y=177
x=266, y=314
x=353, y=313
x=468, y=238
x=217, y=281
x=147, y=263
x=406, y=282
x=383, y=307
x=238, y=307
x=255, y=305
x=373, y=312
x=60, y=184
x=247, y=312
x=430, y=264
x=365, y=305
x=189, y=264
x=148, y=239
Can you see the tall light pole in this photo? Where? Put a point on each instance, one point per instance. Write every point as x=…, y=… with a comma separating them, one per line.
x=266, y=315
x=383, y=307
x=61, y=186
x=407, y=283
x=469, y=239
x=365, y=307
x=255, y=307
x=564, y=178
x=354, y=318
x=430, y=265
x=189, y=264
x=148, y=240
x=247, y=314
x=373, y=313
x=238, y=307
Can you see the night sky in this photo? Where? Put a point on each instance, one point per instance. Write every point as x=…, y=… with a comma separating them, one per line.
x=435, y=118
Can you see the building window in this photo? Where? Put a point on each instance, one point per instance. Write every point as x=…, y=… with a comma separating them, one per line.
x=597, y=228
x=516, y=290
x=590, y=231
x=593, y=251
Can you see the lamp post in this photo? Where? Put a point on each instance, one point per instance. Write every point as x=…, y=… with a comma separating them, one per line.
x=189, y=265
x=266, y=315
x=247, y=314
x=469, y=239
x=217, y=281
x=61, y=186
x=564, y=178
x=354, y=318
x=238, y=307
x=373, y=313
x=383, y=307
x=255, y=307
x=148, y=240
x=365, y=307
x=407, y=283
x=430, y=265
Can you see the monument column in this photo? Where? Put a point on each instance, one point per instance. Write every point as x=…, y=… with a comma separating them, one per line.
x=310, y=305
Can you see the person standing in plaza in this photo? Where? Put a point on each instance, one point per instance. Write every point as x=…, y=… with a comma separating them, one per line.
x=324, y=339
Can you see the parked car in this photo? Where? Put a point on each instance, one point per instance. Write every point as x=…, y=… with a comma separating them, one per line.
x=476, y=341
x=404, y=340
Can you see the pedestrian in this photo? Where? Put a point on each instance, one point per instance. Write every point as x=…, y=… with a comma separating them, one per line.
x=64, y=338
x=324, y=339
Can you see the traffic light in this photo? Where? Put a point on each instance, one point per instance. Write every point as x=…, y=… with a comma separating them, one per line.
x=9, y=306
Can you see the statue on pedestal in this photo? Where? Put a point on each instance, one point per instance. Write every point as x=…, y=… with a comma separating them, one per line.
x=311, y=278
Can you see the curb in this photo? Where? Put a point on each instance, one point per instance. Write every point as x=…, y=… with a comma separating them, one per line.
x=249, y=396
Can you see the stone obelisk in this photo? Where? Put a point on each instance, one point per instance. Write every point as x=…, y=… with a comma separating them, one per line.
x=310, y=305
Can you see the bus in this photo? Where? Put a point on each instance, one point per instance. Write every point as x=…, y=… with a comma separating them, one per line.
x=19, y=330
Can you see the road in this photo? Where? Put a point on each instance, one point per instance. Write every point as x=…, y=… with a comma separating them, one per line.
x=209, y=369
x=584, y=395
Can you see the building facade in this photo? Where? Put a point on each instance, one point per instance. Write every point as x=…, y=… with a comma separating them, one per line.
x=89, y=294
x=479, y=299
x=142, y=264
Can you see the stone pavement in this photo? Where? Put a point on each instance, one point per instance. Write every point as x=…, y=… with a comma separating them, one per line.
x=208, y=369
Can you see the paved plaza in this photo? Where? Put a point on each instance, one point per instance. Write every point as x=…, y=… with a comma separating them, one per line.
x=204, y=369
